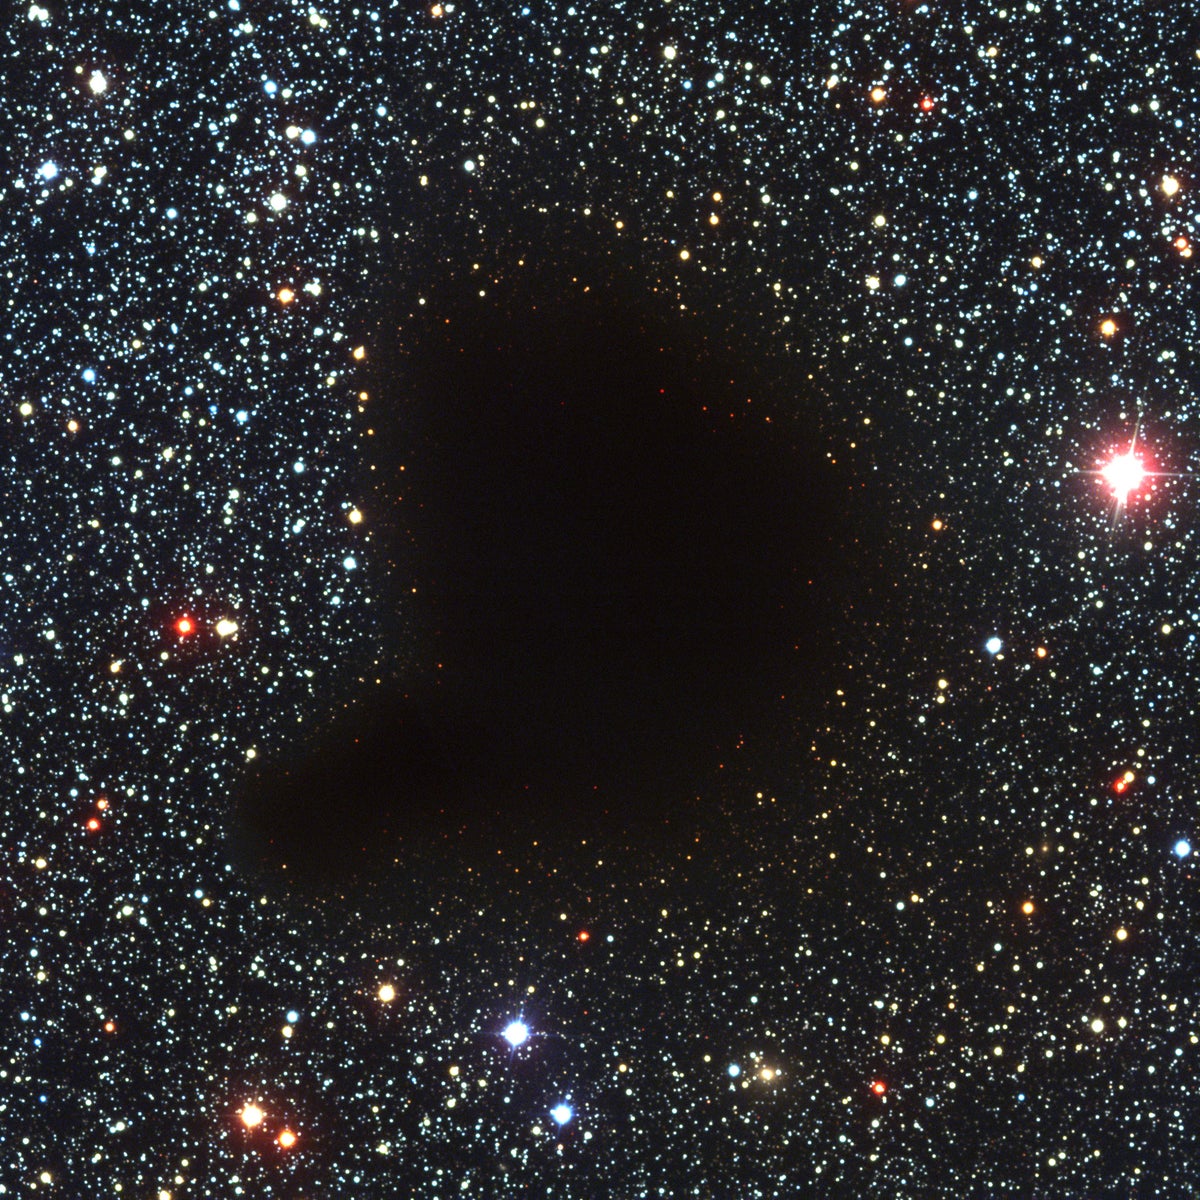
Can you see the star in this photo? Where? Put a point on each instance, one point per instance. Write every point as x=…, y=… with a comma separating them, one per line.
x=516, y=1033
x=252, y=1116
x=1123, y=473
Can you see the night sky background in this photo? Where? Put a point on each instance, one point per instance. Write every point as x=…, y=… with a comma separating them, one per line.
x=566, y=627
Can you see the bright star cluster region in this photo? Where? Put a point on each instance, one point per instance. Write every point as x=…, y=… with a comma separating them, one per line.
x=938, y=940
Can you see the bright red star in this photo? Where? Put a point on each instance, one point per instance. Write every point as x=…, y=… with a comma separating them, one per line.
x=927, y=103
x=879, y=1087
x=184, y=626
x=1123, y=473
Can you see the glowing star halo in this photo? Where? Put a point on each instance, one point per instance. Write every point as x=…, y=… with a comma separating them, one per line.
x=252, y=1116
x=516, y=1033
x=1124, y=473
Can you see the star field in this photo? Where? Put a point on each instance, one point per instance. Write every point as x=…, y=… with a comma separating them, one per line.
x=878, y=876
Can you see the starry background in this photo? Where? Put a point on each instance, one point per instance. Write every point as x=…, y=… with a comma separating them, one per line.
x=562, y=631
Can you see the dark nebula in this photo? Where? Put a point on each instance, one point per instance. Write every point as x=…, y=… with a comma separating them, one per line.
x=625, y=567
